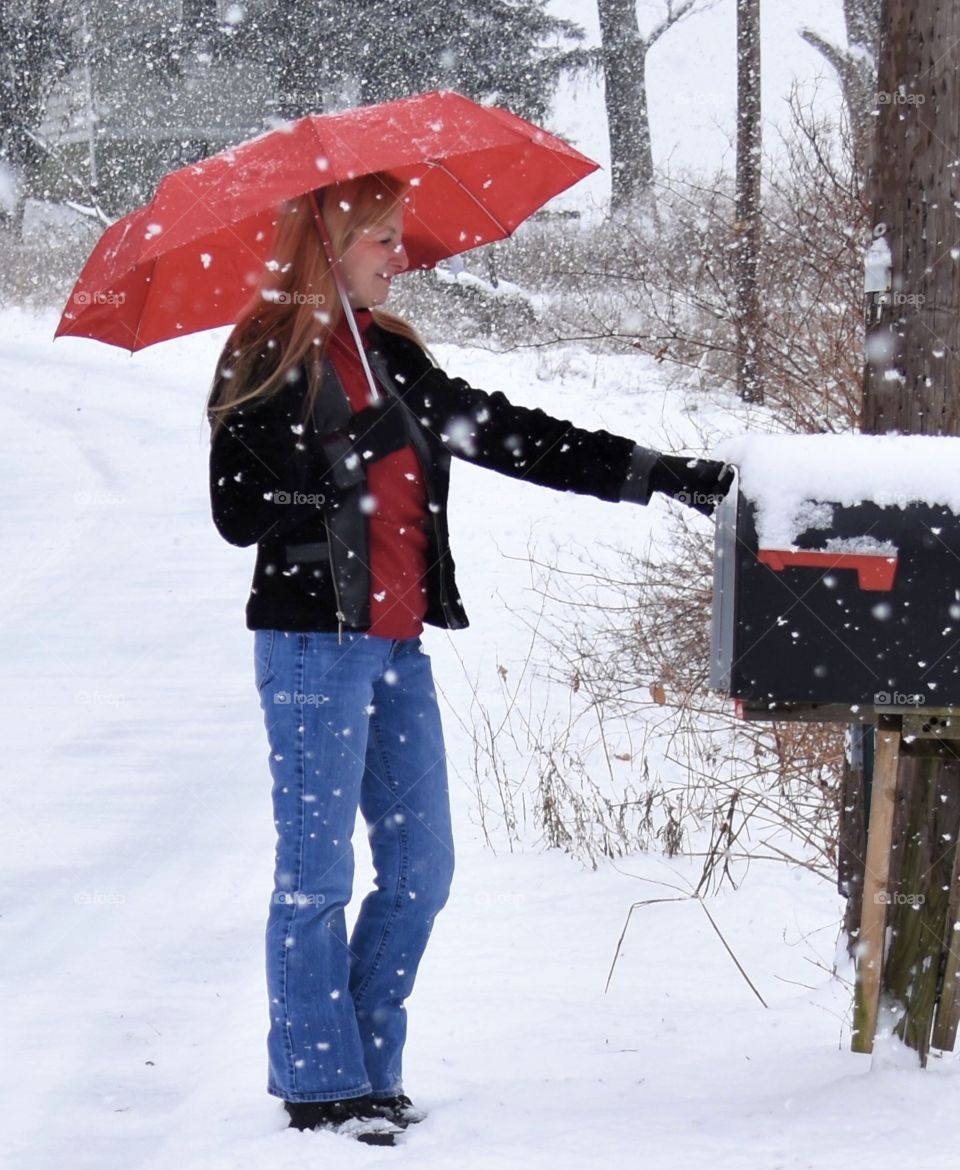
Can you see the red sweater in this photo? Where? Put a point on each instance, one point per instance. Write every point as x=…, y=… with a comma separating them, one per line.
x=398, y=533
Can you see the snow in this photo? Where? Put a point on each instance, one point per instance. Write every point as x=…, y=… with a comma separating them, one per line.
x=785, y=475
x=136, y=856
x=861, y=544
x=878, y=265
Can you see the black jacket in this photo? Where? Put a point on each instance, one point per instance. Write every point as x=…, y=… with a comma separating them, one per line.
x=296, y=489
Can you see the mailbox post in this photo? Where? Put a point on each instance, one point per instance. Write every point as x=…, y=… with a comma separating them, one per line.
x=837, y=598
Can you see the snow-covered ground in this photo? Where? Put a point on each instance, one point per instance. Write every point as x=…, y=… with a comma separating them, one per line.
x=137, y=841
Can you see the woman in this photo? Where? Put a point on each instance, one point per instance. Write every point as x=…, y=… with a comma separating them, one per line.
x=339, y=474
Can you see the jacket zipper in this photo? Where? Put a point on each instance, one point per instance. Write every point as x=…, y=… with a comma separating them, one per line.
x=422, y=452
x=333, y=578
x=322, y=372
x=444, y=600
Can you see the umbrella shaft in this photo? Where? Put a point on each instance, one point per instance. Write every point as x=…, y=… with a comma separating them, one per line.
x=334, y=263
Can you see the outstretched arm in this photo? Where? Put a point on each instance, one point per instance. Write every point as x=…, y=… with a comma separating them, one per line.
x=488, y=429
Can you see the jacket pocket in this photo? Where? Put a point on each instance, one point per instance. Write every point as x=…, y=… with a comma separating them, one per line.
x=309, y=565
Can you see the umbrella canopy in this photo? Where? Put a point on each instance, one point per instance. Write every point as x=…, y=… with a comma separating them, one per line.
x=191, y=258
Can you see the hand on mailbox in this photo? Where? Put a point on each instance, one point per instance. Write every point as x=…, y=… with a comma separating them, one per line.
x=698, y=483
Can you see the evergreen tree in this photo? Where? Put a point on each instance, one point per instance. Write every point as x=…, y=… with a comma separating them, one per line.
x=333, y=54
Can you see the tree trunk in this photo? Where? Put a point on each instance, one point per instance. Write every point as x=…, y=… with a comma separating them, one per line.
x=856, y=68
x=624, y=53
x=748, y=225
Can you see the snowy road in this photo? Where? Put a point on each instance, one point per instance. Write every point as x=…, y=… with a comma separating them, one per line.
x=137, y=849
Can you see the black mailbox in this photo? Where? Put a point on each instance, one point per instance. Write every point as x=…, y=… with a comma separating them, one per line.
x=855, y=609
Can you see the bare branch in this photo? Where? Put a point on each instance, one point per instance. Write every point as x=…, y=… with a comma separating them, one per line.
x=675, y=15
x=837, y=57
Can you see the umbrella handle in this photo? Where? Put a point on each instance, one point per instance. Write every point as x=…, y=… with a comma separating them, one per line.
x=334, y=262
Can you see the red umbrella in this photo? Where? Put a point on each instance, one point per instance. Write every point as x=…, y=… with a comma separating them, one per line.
x=190, y=258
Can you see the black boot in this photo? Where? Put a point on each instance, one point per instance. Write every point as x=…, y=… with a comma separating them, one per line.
x=400, y=1110
x=355, y=1117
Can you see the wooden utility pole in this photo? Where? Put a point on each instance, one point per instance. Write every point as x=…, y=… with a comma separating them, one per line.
x=913, y=350
x=747, y=211
x=912, y=385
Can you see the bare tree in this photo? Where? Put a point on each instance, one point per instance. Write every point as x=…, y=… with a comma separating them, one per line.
x=856, y=68
x=623, y=55
x=748, y=223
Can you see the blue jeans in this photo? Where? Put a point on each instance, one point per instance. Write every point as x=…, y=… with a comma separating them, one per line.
x=351, y=725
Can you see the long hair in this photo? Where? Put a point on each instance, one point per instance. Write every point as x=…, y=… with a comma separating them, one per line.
x=296, y=306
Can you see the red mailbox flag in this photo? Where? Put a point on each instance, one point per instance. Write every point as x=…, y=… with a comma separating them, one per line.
x=874, y=570
x=190, y=258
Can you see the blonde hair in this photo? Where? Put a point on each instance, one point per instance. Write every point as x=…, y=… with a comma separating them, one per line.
x=296, y=306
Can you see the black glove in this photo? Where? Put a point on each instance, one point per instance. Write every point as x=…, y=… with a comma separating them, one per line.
x=699, y=483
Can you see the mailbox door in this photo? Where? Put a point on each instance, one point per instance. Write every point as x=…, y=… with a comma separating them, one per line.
x=815, y=634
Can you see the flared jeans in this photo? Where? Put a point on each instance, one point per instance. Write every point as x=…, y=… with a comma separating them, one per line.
x=352, y=723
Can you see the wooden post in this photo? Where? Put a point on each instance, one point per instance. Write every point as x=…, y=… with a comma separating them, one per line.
x=852, y=836
x=948, y=1009
x=875, y=884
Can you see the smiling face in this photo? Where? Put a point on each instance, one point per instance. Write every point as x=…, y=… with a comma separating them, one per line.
x=372, y=258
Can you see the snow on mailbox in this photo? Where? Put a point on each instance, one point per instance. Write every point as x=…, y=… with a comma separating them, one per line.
x=837, y=575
